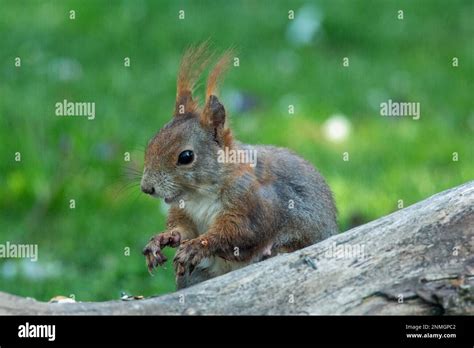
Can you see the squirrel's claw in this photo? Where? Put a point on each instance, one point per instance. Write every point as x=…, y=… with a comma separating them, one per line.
x=189, y=255
x=153, y=250
x=154, y=258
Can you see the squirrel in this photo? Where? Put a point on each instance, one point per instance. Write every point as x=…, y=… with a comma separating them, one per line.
x=224, y=215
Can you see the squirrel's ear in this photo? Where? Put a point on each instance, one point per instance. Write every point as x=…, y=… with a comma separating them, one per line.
x=213, y=114
x=213, y=117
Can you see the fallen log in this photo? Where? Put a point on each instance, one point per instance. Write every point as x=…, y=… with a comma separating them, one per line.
x=415, y=261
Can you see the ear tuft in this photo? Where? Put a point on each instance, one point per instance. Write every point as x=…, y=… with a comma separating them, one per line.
x=214, y=112
x=217, y=72
x=194, y=61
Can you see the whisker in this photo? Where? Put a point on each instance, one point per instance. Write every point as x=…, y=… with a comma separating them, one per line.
x=126, y=189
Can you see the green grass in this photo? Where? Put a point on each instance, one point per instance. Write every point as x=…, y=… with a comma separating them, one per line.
x=65, y=158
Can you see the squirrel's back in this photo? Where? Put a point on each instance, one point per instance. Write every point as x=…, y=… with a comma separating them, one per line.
x=298, y=192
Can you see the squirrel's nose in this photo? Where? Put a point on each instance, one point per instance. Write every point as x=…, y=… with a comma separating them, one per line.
x=148, y=190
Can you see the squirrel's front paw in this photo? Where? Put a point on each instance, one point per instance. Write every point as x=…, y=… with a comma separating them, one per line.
x=189, y=254
x=153, y=250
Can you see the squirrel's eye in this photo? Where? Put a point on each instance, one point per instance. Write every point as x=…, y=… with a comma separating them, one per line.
x=186, y=157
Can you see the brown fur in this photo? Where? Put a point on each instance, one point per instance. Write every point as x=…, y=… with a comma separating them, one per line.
x=178, y=220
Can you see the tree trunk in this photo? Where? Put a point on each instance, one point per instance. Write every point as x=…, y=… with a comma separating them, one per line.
x=418, y=260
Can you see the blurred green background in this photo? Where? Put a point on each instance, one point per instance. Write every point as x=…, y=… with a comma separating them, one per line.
x=282, y=62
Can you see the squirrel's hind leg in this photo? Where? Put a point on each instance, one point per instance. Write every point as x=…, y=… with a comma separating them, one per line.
x=197, y=275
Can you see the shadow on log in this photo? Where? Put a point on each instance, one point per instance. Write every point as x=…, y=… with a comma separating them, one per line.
x=416, y=261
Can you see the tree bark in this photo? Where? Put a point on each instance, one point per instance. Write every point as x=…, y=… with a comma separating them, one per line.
x=418, y=260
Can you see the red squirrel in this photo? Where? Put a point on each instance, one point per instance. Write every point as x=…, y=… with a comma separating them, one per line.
x=224, y=215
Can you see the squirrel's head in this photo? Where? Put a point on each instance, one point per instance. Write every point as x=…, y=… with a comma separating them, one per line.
x=182, y=158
